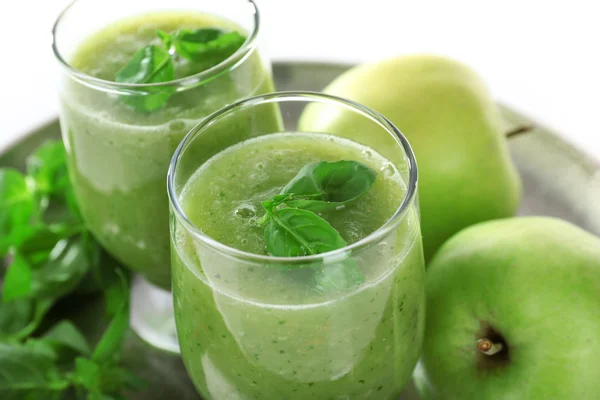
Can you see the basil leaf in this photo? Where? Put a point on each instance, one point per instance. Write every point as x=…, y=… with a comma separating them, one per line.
x=102, y=379
x=63, y=271
x=47, y=171
x=103, y=270
x=17, y=205
x=112, y=341
x=114, y=379
x=151, y=64
x=116, y=293
x=72, y=203
x=209, y=46
x=29, y=371
x=339, y=276
x=304, y=182
x=47, y=166
x=41, y=308
x=65, y=335
x=343, y=180
x=14, y=316
x=18, y=279
x=43, y=238
x=86, y=373
x=293, y=232
x=18, y=234
x=336, y=183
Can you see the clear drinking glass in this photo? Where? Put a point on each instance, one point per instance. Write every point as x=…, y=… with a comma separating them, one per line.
x=246, y=327
x=119, y=156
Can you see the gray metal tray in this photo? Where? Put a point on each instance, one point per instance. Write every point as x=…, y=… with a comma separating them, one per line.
x=559, y=180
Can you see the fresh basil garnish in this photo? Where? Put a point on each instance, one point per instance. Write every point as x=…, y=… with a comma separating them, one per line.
x=293, y=229
x=154, y=64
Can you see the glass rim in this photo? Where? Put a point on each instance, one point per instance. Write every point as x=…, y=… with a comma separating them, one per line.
x=391, y=223
x=180, y=83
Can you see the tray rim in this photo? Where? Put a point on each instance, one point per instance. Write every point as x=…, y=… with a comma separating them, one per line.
x=564, y=141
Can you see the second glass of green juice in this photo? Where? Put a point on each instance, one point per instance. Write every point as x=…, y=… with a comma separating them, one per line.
x=297, y=260
x=137, y=77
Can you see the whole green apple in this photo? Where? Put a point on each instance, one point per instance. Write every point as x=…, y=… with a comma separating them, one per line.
x=513, y=312
x=454, y=127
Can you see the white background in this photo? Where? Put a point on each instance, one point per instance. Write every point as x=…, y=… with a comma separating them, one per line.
x=542, y=57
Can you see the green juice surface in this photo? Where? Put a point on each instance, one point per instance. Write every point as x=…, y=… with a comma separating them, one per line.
x=119, y=156
x=253, y=331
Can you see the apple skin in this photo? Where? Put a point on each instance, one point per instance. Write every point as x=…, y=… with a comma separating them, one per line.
x=454, y=126
x=535, y=281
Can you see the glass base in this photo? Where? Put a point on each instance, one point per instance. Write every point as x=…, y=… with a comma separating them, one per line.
x=152, y=315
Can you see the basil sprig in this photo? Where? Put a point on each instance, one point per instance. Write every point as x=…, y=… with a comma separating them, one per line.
x=46, y=254
x=155, y=64
x=293, y=229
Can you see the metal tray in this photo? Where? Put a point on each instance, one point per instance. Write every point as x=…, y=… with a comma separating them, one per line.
x=559, y=180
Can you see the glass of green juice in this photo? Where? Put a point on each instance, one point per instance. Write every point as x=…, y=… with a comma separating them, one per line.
x=121, y=122
x=342, y=324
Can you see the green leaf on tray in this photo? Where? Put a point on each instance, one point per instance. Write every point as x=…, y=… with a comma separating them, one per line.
x=64, y=269
x=51, y=254
x=103, y=380
x=16, y=199
x=30, y=371
x=103, y=269
x=18, y=205
x=87, y=373
x=40, y=309
x=111, y=342
x=17, y=280
x=151, y=64
x=65, y=335
x=293, y=232
x=43, y=238
x=15, y=316
x=47, y=167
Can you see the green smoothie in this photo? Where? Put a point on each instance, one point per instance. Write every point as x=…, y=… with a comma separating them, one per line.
x=119, y=155
x=252, y=330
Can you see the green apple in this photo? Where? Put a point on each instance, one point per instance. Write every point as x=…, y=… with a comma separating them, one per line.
x=454, y=127
x=513, y=312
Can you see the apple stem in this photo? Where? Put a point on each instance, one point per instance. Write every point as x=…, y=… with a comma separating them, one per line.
x=519, y=130
x=489, y=348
